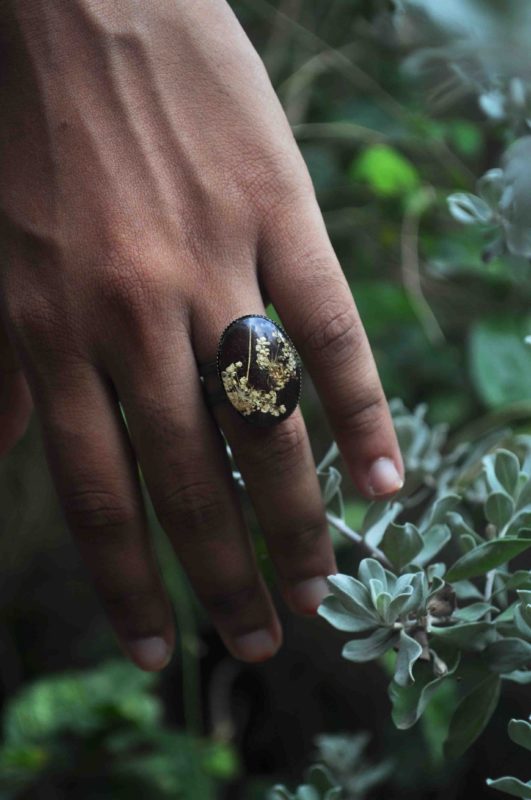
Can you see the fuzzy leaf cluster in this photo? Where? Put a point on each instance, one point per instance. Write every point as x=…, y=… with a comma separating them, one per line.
x=319, y=785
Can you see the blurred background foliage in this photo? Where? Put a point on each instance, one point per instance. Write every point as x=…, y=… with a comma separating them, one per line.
x=393, y=114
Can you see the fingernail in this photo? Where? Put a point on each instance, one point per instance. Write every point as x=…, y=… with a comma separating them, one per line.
x=307, y=596
x=254, y=647
x=150, y=654
x=384, y=477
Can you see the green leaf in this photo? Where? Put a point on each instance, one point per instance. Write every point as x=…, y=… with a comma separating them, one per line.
x=377, y=518
x=474, y=611
x=471, y=716
x=507, y=468
x=508, y=654
x=521, y=621
x=473, y=636
x=500, y=361
x=388, y=173
x=409, y=702
x=409, y=651
x=335, y=613
x=521, y=579
x=486, y=557
x=401, y=543
x=441, y=509
x=499, y=508
x=520, y=732
x=372, y=647
x=511, y=786
x=519, y=523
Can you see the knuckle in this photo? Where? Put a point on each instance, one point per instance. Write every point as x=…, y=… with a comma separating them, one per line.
x=364, y=416
x=278, y=453
x=191, y=507
x=233, y=602
x=332, y=333
x=95, y=509
x=301, y=540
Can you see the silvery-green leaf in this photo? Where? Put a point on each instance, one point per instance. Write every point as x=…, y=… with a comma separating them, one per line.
x=334, y=612
x=473, y=612
x=383, y=601
x=377, y=518
x=370, y=569
x=489, y=467
x=507, y=655
x=507, y=615
x=372, y=647
x=472, y=636
x=401, y=543
x=471, y=716
x=499, y=508
x=438, y=512
x=521, y=579
x=507, y=469
x=520, y=620
x=329, y=458
x=353, y=594
x=434, y=539
x=398, y=604
x=333, y=482
x=466, y=590
x=520, y=732
x=469, y=209
x=493, y=104
x=461, y=528
x=520, y=522
x=520, y=676
x=419, y=596
x=434, y=571
x=524, y=495
x=486, y=557
x=467, y=542
x=376, y=588
x=490, y=186
x=511, y=786
x=409, y=651
x=409, y=702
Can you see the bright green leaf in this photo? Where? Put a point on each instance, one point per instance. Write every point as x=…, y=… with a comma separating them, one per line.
x=385, y=170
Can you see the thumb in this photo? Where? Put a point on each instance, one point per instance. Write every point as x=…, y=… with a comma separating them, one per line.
x=15, y=398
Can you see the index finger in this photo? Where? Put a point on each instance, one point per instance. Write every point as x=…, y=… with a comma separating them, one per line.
x=304, y=280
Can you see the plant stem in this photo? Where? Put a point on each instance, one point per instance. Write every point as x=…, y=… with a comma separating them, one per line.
x=343, y=528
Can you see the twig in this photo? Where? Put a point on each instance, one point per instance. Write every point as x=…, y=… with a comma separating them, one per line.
x=344, y=529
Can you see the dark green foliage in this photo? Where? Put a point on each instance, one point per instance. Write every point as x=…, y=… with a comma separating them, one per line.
x=102, y=731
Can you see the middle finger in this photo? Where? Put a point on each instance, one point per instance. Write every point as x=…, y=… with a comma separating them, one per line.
x=279, y=471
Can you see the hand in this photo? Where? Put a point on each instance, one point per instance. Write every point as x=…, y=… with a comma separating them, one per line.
x=151, y=193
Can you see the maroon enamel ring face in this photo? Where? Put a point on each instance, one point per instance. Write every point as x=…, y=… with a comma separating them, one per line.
x=259, y=369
